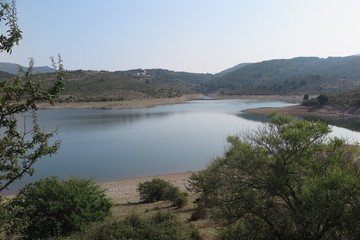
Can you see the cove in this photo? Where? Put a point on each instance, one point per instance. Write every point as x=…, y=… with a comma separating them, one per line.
x=117, y=144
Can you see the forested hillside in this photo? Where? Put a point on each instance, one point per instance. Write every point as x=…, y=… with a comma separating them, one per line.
x=291, y=76
x=300, y=76
x=133, y=84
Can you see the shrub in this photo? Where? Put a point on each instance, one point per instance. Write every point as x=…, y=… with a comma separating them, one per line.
x=289, y=180
x=152, y=191
x=310, y=102
x=176, y=197
x=161, y=190
x=322, y=99
x=199, y=212
x=161, y=226
x=51, y=207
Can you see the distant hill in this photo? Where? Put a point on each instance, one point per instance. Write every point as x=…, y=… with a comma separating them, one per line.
x=241, y=65
x=14, y=68
x=291, y=76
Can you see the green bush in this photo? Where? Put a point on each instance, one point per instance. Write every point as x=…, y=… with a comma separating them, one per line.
x=173, y=195
x=310, y=102
x=322, y=99
x=161, y=226
x=161, y=190
x=51, y=207
x=152, y=191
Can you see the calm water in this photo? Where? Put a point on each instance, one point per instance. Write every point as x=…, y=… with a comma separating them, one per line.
x=116, y=144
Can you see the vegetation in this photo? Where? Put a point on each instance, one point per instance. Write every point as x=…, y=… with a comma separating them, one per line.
x=152, y=191
x=51, y=207
x=287, y=181
x=348, y=100
x=9, y=19
x=160, y=226
x=161, y=190
x=322, y=99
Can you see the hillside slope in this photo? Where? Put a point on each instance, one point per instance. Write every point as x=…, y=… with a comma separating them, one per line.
x=126, y=85
x=292, y=76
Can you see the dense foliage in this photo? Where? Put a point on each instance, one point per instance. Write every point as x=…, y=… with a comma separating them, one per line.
x=51, y=207
x=287, y=181
x=161, y=226
x=152, y=191
x=8, y=18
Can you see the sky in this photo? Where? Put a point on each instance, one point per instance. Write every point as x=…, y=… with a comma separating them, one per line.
x=201, y=36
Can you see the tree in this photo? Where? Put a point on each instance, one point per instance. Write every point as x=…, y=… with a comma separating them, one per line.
x=51, y=207
x=20, y=149
x=13, y=34
x=306, y=97
x=286, y=181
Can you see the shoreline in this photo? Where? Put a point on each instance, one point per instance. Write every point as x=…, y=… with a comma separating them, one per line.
x=119, y=105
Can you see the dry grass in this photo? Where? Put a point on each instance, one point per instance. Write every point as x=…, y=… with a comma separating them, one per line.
x=206, y=227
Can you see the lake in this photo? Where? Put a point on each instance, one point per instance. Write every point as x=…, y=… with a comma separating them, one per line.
x=118, y=144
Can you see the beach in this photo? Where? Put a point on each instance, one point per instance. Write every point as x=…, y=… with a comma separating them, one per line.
x=124, y=191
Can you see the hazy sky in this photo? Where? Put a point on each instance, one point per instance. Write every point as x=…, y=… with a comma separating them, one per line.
x=183, y=35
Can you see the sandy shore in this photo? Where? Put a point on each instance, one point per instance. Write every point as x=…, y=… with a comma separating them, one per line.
x=126, y=104
x=124, y=191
